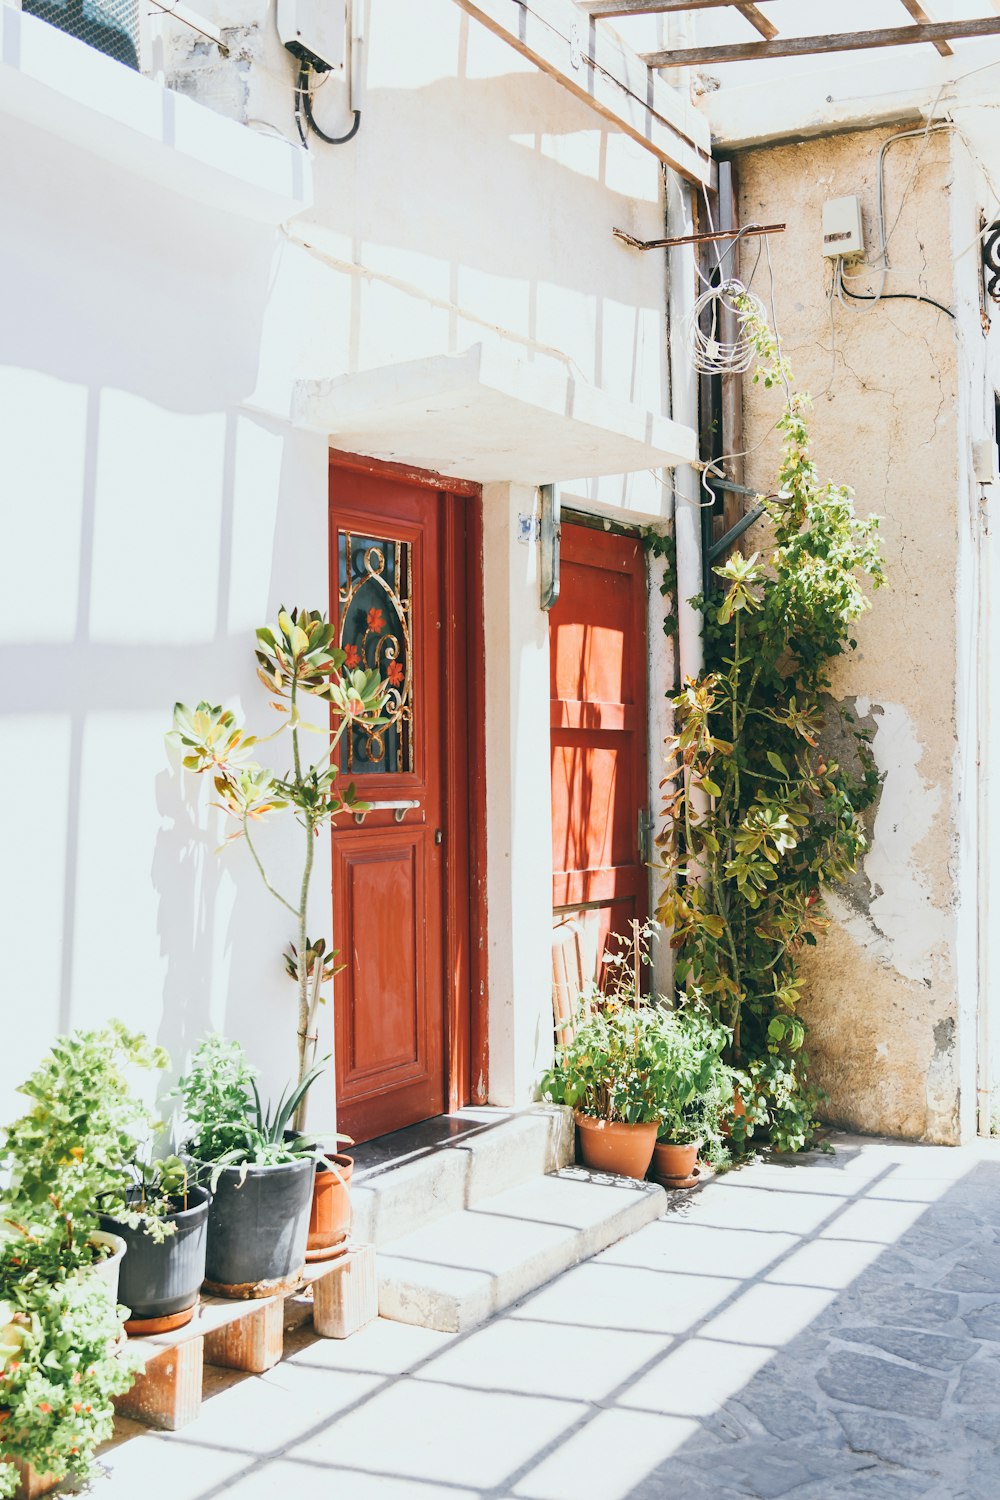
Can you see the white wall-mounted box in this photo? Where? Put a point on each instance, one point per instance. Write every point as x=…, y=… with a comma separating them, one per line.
x=843, y=233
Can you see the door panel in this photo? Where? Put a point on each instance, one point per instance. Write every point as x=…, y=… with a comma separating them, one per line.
x=389, y=872
x=598, y=733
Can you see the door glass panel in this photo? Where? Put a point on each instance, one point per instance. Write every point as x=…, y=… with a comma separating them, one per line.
x=375, y=615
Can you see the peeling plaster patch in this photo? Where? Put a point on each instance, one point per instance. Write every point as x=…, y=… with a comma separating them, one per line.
x=906, y=924
x=942, y=1092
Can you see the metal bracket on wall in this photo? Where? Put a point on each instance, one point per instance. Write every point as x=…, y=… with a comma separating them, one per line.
x=549, y=539
x=743, y=524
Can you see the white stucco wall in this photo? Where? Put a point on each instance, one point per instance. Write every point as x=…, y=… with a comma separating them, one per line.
x=158, y=505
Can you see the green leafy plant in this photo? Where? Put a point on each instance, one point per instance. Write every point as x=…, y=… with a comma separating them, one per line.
x=59, y=1369
x=699, y=1106
x=155, y=1190
x=71, y=1153
x=226, y=1122
x=759, y=817
x=296, y=659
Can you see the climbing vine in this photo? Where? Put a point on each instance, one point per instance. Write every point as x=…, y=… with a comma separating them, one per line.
x=759, y=818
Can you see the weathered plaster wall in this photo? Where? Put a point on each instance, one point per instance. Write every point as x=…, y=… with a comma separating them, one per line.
x=882, y=1003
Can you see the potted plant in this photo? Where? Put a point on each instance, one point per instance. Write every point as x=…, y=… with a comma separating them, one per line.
x=162, y=1218
x=698, y=1101
x=615, y=1074
x=60, y=1366
x=72, y=1148
x=259, y=1171
x=330, y=1216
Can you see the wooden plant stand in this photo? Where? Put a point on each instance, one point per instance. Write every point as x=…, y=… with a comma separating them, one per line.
x=246, y=1336
x=340, y=1295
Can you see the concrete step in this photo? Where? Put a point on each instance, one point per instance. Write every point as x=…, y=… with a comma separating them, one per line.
x=453, y=1164
x=458, y=1271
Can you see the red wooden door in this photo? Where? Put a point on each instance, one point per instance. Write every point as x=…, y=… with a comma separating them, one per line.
x=389, y=877
x=598, y=732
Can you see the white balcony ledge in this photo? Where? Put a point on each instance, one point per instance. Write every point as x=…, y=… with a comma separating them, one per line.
x=488, y=416
x=59, y=85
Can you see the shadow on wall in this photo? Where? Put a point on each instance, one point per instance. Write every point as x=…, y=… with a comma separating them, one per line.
x=140, y=512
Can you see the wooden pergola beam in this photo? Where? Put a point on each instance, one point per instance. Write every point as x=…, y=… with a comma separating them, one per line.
x=749, y=12
x=594, y=64
x=919, y=14
x=809, y=46
x=651, y=7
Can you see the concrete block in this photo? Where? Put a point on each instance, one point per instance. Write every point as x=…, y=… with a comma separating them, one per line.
x=454, y=1274
x=168, y=1392
x=392, y=1203
x=347, y=1299
x=253, y=1343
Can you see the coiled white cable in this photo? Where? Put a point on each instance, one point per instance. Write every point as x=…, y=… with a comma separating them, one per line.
x=710, y=353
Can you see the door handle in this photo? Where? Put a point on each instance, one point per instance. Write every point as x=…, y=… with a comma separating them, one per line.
x=398, y=810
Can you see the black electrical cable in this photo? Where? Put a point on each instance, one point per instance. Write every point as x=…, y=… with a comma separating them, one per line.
x=303, y=104
x=897, y=297
x=301, y=87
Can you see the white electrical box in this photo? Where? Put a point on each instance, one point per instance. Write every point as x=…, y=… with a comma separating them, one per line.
x=315, y=31
x=843, y=234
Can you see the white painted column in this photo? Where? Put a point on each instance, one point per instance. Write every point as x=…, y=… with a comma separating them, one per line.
x=518, y=801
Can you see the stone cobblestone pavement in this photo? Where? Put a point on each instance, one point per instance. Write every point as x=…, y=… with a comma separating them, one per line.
x=821, y=1329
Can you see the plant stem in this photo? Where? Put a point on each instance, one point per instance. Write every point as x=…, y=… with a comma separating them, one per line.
x=276, y=894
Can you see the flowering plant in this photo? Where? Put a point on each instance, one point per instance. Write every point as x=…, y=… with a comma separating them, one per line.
x=59, y=1369
x=70, y=1155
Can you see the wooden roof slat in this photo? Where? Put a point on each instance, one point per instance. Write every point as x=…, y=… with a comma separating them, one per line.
x=758, y=20
x=596, y=8
x=919, y=14
x=601, y=70
x=808, y=46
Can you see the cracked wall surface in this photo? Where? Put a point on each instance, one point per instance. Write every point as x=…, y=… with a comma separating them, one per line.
x=881, y=1000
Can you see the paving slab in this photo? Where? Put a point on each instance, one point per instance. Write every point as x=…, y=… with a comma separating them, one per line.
x=844, y=1346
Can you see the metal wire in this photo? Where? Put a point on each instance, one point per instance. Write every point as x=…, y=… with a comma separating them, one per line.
x=109, y=26
x=711, y=354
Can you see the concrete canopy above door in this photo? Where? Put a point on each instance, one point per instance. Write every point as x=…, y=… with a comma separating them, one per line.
x=487, y=416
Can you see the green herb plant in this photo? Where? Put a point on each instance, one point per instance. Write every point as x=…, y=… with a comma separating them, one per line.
x=72, y=1153
x=296, y=660
x=226, y=1123
x=639, y=1061
x=759, y=818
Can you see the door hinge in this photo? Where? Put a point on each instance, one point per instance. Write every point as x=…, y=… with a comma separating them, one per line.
x=645, y=835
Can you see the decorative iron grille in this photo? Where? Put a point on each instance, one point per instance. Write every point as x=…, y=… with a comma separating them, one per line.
x=110, y=26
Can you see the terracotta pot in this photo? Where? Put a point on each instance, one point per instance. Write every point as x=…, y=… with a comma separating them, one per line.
x=675, y=1165
x=330, y=1219
x=608, y=1146
x=739, y=1110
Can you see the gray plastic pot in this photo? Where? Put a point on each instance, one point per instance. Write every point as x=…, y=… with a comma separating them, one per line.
x=257, y=1227
x=158, y=1281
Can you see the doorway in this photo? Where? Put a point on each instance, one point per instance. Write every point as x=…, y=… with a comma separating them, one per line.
x=403, y=871
x=598, y=732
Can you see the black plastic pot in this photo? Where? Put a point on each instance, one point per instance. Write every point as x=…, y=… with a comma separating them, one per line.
x=158, y=1281
x=257, y=1227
